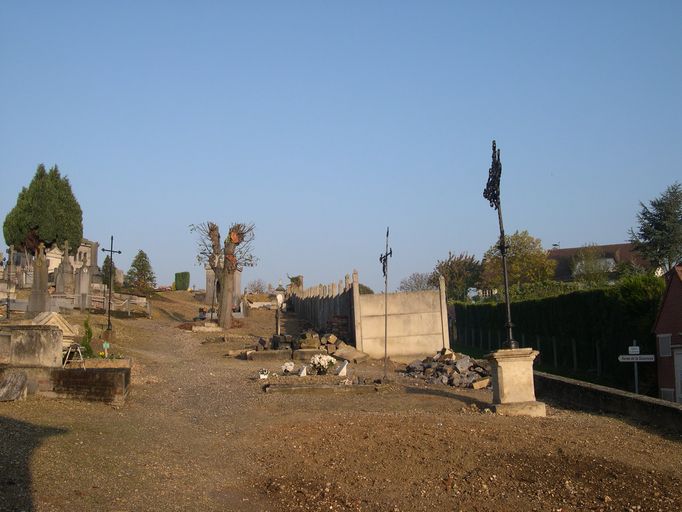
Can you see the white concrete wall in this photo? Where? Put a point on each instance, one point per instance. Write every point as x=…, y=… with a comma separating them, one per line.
x=417, y=324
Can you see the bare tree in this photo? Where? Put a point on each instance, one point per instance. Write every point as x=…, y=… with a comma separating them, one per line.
x=233, y=255
x=416, y=282
x=256, y=286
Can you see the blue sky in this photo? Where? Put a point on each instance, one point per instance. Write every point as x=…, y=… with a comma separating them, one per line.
x=324, y=122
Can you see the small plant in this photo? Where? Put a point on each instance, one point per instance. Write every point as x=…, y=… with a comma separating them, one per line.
x=87, y=338
x=288, y=367
x=321, y=363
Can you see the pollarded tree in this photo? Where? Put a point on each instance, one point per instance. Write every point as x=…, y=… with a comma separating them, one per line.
x=140, y=276
x=659, y=235
x=527, y=262
x=226, y=259
x=46, y=211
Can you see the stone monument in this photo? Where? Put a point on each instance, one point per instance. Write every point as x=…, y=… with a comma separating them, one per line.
x=83, y=279
x=64, y=279
x=513, y=387
x=39, y=300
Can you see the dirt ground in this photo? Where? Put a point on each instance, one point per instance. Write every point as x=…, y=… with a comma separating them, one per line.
x=198, y=433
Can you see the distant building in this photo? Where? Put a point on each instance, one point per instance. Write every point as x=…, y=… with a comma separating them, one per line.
x=612, y=256
x=668, y=330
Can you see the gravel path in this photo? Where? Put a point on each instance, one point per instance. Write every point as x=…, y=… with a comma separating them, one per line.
x=197, y=433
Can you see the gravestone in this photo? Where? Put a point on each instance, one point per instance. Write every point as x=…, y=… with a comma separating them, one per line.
x=39, y=300
x=64, y=280
x=83, y=279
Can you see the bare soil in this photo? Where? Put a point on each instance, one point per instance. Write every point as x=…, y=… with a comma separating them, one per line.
x=198, y=433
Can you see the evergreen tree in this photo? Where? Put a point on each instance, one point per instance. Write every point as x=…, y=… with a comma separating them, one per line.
x=108, y=271
x=659, y=235
x=140, y=276
x=46, y=211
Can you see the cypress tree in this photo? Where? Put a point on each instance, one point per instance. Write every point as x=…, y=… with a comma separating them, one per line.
x=46, y=211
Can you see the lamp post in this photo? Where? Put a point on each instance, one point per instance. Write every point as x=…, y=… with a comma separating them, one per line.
x=492, y=194
x=111, y=277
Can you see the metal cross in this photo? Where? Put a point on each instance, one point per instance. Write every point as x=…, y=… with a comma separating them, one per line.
x=492, y=194
x=111, y=277
x=384, y=266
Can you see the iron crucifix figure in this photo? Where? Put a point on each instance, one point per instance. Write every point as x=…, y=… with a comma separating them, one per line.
x=492, y=194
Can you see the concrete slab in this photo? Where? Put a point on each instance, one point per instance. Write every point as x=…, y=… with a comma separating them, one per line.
x=269, y=355
x=304, y=354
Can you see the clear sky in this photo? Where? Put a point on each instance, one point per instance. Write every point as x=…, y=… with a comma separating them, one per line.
x=324, y=122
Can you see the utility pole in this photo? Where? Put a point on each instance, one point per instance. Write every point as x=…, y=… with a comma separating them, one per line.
x=383, y=259
x=111, y=277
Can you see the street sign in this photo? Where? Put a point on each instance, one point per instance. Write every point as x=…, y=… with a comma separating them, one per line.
x=644, y=358
x=105, y=344
x=633, y=350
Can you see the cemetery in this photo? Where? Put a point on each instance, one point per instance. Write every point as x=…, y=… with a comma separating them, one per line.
x=327, y=397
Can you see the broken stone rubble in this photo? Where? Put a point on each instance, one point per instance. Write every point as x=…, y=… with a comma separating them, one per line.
x=452, y=369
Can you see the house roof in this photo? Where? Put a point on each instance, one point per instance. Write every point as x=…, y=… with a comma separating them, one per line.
x=620, y=253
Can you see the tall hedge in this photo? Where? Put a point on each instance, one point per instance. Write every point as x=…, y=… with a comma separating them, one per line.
x=182, y=281
x=597, y=324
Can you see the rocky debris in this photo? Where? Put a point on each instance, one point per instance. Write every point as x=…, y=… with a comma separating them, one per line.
x=452, y=369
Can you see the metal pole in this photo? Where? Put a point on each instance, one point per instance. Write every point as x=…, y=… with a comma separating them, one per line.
x=492, y=194
x=634, y=344
x=510, y=342
x=384, y=262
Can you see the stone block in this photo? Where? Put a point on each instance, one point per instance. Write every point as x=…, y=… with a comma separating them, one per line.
x=535, y=409
x=480, y=384
x=309, y=341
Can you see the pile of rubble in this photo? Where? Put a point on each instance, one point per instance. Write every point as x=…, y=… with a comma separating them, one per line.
x=310, y=342
x=453, y=369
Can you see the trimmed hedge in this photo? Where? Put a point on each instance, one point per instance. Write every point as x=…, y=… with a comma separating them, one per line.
x=580, y=334
x=182, y=281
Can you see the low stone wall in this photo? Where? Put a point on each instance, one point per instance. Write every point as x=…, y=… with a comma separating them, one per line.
x=100, y=384
x=108, y=385
x=585, y=396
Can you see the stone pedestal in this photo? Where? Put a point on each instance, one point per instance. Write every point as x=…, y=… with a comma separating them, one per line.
x=513, y=388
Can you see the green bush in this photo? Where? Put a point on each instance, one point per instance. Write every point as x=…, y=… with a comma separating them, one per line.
x=182, y=281
x=599, y=323
x=87, y=338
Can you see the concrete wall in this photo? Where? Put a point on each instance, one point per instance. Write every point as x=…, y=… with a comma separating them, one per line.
x=322, y=304
x=417, y=321
x=417, y=324
x=31, y=345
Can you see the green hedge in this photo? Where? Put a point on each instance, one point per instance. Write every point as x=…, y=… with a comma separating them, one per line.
x=590, y=328
x=182, y=281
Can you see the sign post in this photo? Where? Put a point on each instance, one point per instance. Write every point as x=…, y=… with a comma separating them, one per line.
x=635, y=357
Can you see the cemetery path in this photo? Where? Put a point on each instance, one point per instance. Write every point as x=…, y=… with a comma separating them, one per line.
x=197, y=433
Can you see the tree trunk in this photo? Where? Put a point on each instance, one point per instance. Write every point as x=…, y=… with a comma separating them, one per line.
x=225, y=299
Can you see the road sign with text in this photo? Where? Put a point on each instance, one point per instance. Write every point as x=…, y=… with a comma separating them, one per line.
x=644, y=358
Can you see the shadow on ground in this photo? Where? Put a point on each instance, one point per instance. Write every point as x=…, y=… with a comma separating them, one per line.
x=18, y=440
